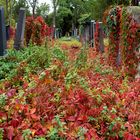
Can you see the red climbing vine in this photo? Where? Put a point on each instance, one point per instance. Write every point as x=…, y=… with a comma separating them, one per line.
x=123, y=40
x=129, y=43
x=113, y=23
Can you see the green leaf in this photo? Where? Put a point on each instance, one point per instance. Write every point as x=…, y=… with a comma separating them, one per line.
x=112, y=125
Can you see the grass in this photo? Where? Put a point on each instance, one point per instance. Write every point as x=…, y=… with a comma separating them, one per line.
x=69, y=42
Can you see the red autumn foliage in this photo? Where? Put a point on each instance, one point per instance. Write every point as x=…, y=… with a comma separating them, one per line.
x=130, y=42
x=123, y=39
x=36, y=30
x=114, y=21
x=103, y=111
x=12, y=32
x=99, y=104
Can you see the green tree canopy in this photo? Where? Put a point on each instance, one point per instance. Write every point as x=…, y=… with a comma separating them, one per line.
x=42, y=10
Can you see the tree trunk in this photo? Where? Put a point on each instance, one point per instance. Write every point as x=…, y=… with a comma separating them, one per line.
x=11, y=10
x=33, y=5
x=33, y=8
x=54, y=17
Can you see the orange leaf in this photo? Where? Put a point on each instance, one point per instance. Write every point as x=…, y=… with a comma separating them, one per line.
x=33, y=110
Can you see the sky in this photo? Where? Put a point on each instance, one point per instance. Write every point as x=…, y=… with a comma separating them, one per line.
x=47, y=1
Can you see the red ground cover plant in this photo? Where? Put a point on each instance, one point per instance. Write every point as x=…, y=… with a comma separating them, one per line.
x=68, y=103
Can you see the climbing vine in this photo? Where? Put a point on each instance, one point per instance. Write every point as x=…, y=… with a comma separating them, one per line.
x=123, y=40
x=129, y=43
x=113, y=23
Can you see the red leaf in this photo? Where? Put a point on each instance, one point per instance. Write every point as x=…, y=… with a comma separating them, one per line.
x=128, y=126
x=71, y=118
x=35, y=117
x=10, y=132
x=14, y=123
x=128, y=136
x=2, y=114
x=82, y=118
x=18, y=137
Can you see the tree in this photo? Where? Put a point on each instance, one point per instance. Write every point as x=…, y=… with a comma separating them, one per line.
x=64, y=16
x=97, y=7
x=5, y=5
x=16, y=7
x=77, y=8
x=135, y=2
x=8, y=5
x=68, y=13
x=64, y=19
x=55, y=5
x=33, y=4
x=43, y=10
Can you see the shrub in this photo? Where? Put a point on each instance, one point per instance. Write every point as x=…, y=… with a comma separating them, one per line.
x=29, y=29
x=39, y=31
x=12, y=32
x=23, y=62
x=36, y=30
